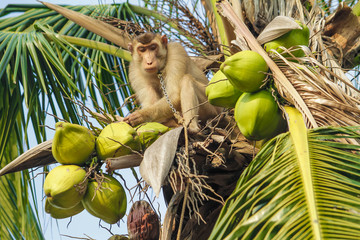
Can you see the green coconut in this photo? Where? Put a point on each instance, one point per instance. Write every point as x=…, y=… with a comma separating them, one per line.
x=292, y=38
x=107, y=202
x=60, y=213
x=220, y=92
x=258, y=116
x=65, y=185
x=149, y=132
x=245, y=70
x=72, y=143
x=117, y=139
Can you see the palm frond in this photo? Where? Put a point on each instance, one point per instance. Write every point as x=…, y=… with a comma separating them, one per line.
x=19, y=220
x=47, y=71
x=42, y=74
x=100, y=28
x=301, y=185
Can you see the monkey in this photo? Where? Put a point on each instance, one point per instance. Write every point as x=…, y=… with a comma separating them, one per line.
x=184, y=83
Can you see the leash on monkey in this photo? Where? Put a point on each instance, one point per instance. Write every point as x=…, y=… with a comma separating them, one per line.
x=181, y=120
x=176, y=113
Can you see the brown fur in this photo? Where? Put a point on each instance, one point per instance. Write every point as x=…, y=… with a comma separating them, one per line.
x=185, y=84
x=145, y=38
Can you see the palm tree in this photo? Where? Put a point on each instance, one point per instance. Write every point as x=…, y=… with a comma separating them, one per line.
x=50, y=78
x=50, y=64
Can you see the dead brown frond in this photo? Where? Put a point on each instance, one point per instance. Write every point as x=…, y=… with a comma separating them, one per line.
x=191, y=25
x=128, y=27
x=258, y=14
x=327, y=100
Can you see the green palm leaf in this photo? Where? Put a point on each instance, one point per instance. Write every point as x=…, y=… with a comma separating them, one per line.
x=43, y=72
x=49, y=72
x=18, y=219
x=301, y=185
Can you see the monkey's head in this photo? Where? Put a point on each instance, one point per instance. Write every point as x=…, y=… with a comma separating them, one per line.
x=149, y=50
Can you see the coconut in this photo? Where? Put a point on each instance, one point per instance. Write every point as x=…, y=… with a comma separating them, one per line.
x=65, y=185
x=117, y=139
x=72, y=143
x=149, y=132
x=292, y=38
x=107, y=202
x=245, y=70
x=60, y=213
x=258, y=116
x=220, y=92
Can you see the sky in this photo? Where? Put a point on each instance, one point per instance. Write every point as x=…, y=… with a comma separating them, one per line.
x=82, y=225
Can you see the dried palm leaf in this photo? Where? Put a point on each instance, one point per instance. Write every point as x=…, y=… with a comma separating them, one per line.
x=158, y=159
x=37, y=156
x=276, y=28
x=322, y=46
x=107, y=31
x=261, y=12
x=328, y=103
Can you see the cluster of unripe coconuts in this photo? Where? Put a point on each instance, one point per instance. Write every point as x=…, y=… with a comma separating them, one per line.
x=71, y=187
x=240, y=84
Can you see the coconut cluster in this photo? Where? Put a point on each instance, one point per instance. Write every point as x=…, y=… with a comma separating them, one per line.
x=75, y=185
x=242, y=83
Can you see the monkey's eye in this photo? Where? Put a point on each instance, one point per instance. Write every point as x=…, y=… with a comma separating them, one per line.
x=141, y=49
x=153, y=47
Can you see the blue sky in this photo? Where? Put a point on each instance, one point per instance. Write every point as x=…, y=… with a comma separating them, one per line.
x=83, y=224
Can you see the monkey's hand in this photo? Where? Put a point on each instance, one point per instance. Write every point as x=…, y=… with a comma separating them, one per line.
x=135, y=118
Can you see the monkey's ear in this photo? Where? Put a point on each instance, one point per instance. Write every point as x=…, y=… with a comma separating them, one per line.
x=130, y=47
x=164, y=40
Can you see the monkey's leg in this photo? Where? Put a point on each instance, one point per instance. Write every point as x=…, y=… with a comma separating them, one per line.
x=189, y=103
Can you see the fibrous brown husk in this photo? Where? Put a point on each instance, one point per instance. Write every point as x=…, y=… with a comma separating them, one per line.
x=142, y=222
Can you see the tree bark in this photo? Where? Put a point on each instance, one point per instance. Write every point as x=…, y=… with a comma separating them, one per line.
x=342, y=33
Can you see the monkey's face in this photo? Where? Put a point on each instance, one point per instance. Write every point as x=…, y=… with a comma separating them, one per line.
x=148, y=53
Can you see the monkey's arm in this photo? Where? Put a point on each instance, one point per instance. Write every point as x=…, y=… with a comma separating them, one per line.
x=158, y=112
